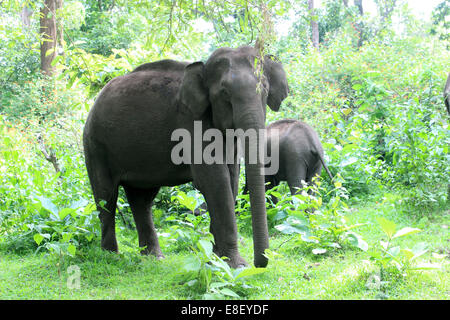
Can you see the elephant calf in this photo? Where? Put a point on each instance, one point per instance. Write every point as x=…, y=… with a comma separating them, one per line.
x=300, y=154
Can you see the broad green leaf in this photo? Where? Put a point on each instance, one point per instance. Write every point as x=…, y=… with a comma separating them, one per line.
x=228, y=292
x=222, y=265
x=356, y=240
x=346, y=111
x=185, y=200
x=48, y=204
x=307, y=237
x=287, y=228
x=205, y=246
x=408, y=253
x=394, y=251
x=65, y=212
x=38, y=238
x=71, y=249
x=215, y=285
x=405, y=231
x=192, y=264
x=212, y=296
x=357, y=86
x=387, y=226
x=66, y=236
x=280, y=215
x=247, y=272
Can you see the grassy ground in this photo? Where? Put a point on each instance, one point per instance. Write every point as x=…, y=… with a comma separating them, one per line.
x=293, y=275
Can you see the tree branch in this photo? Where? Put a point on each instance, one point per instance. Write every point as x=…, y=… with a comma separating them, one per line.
x=50, y=157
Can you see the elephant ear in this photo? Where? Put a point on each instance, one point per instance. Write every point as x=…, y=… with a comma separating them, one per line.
x=278, y=86
x=193, y=92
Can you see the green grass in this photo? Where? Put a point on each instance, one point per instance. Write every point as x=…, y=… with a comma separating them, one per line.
x=295, y=274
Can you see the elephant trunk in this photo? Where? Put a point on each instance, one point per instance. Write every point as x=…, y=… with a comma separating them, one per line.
x=255, y=182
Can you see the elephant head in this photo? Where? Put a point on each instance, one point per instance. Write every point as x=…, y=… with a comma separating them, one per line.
x=235, y=86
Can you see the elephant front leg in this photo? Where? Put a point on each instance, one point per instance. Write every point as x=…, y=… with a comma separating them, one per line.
x=215, y=184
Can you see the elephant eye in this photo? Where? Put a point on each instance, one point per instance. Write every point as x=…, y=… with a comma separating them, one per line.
x=224, y=94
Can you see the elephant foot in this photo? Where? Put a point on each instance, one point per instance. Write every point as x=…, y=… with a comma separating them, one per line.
x=156, y=252
x=235, y=261
x=110, y=246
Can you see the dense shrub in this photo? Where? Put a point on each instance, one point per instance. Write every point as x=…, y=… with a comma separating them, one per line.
x=378, y=128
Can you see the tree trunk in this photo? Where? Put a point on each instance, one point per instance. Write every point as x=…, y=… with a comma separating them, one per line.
x=360, y=25
x=358, y=3
x=59, y=25
x=25, y=15
x=48, y=36
x=314, y=25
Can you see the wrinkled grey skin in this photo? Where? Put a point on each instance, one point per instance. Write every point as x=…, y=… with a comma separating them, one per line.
x=300, y=155
x=447, y=94
x=127, y=141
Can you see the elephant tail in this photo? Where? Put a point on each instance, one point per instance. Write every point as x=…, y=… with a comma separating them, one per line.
x=325, y=166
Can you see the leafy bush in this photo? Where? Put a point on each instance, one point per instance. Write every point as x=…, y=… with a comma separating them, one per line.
x=209, y=275
x=319, y=227
x=30, y=209
x=419, y=144
x=40, y=98
x=370, y=119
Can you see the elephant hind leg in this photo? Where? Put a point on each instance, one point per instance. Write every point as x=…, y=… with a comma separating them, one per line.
x=316, y=171
x=106, y=205
x=140, y=201
x=105, y=192
x=294, y=179
x=272, y=182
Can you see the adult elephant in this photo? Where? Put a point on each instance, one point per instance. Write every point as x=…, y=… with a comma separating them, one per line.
x=127, y=141
x=300, y=154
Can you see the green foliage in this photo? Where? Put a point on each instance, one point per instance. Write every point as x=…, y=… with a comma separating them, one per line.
x=420, y=153
x=369, y=119
x=317, y=226
x=31, y=212
x=37, y=99
x=19, y=50
x=209, y=275
x=392, y=260
x=185, y=231
x=441, y=22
